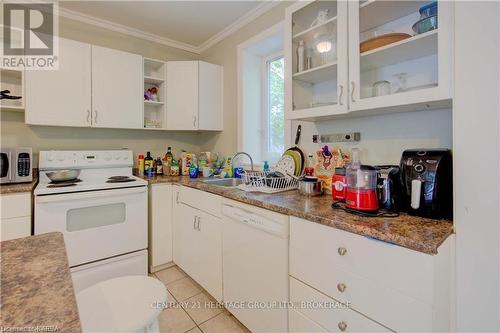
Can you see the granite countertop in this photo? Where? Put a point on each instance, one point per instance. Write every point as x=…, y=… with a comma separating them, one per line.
x=37, y=290
x=416, y=233
x=20, y=187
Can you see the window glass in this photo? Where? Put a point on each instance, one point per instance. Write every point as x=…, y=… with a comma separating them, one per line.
x=275, y=113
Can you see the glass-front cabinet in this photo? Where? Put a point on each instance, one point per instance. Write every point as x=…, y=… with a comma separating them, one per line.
x=316, y=59
x=367, y=57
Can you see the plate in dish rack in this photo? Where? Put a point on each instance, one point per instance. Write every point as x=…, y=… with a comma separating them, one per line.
x=286, y=165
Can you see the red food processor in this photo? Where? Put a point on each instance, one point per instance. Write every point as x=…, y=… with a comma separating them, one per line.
x=361, y=193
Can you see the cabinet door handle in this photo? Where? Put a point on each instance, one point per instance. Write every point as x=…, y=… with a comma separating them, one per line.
x=352, y=91
x=341, y=87
x=342, y=326
x=88, y=116
x=199, y=220
x=342, y=251
x=194, y=121
x=177, y=198
x=194, y=223
x=95, y=116
x=341, y=287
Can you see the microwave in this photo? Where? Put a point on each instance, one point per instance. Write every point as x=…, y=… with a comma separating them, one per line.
x=16, y=165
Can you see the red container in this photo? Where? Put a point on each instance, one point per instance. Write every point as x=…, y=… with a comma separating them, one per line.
x=339, y=186
x=362, y=199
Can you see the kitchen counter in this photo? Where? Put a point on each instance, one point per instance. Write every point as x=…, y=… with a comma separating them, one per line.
x=37, y=290
x=416, y=233
x=20, y=187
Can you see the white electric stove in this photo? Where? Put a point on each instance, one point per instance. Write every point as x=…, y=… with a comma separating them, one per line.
x=102, y=214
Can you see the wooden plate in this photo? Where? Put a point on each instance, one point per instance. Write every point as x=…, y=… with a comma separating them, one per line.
x=379, y=41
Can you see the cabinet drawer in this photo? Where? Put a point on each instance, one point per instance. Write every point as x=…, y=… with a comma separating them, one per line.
x=328, y=313
x=298, y=323
x=204, y=201
x=15, y=205
x=407, y=271
x=16, y=227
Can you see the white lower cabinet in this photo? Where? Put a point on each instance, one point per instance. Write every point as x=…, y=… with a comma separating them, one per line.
x=327, y=312
x=198, y=246
x=15, y=218
x=402, y=289
x=299, y=323
x=160, y=226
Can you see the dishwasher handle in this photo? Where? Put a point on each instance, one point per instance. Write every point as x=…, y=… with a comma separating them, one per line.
x=254, y=220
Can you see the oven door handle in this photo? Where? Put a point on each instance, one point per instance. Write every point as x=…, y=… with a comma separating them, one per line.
x=89, y=195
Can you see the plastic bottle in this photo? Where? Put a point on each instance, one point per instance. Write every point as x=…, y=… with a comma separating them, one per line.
x=300, y=56
x=193, y=168
x=149, y=165
x=266, y=167
x=140, y=164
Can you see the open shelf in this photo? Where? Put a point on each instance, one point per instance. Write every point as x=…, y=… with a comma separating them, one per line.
x=317, y=29
x=374, y=13
x=12, y=80
x=153, y=103
x=408, y=49
x=153, y=80
x=318, y=74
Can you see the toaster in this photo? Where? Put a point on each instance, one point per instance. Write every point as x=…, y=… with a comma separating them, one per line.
x=427, y=179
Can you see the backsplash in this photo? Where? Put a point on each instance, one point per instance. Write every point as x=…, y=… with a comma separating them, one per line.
x=384, y=137
x=15, y=133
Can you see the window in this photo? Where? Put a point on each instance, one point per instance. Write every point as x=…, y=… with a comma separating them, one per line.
x=274, y=109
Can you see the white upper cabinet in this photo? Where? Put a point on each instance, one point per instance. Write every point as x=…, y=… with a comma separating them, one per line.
x=415, y=70
x=117, y=89
x=316, y=57
x=411, y=72
x=61, y=97
x=194, y=96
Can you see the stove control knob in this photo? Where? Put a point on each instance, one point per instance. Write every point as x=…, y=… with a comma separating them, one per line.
x=117, y=156
x=107, y=157
x=419, y=168
x=125, y=156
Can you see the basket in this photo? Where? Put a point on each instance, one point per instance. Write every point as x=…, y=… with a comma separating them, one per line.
x=258, y=181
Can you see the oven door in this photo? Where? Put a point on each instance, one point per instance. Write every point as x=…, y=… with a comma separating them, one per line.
x=96, y=224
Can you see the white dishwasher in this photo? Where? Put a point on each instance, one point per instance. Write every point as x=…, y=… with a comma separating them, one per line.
x=255, y=266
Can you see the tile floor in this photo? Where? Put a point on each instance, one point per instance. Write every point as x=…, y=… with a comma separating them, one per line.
x=191, y=309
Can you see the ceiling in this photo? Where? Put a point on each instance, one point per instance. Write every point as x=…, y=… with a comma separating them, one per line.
x=192, y=25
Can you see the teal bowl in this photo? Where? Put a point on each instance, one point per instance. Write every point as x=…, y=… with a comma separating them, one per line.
x=426, y=24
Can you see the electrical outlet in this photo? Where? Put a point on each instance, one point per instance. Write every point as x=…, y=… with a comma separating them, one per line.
x=339, y=137
x=315, y=138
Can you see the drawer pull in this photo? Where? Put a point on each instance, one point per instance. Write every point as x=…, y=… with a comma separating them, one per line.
x=341, y=287
x=342, y=251
x=342, y=326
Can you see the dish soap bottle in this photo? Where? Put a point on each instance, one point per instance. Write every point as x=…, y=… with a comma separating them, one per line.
x=140, y=164
x=266, y=168
x=193, y=168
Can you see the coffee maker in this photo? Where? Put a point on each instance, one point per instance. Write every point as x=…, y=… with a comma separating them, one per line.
x=427, y=182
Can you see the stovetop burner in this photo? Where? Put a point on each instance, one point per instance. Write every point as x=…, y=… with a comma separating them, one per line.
x=120, y=179
x=61, y=185
x=65, y=182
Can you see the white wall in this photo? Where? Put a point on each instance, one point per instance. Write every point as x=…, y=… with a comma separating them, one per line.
x=477, y=165
x=384, y=137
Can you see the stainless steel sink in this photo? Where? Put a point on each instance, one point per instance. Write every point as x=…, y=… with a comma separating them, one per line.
x=226, y=182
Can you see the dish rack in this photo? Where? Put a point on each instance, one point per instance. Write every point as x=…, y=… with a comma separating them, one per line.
x=258, y=181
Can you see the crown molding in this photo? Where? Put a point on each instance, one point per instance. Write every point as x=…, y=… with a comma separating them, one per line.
x=126, y=30
x=251, y=15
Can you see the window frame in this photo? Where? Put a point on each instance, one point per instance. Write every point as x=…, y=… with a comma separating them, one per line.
x=265, y=112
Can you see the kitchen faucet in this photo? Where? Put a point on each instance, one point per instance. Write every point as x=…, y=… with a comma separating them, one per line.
x=241, y=153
